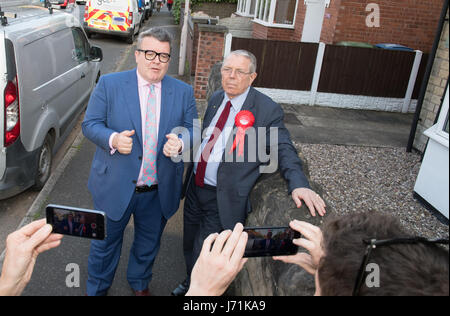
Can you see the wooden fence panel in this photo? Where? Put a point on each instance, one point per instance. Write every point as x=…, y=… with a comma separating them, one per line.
x=345, y=70
x=366, y=71
x=281, y=65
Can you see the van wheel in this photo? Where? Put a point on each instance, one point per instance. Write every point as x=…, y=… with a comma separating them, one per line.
x=44, y=164
x=130, y=39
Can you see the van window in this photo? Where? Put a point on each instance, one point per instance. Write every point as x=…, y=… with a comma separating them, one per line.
x=81, y=45
x=48, y=58
x=110, y=5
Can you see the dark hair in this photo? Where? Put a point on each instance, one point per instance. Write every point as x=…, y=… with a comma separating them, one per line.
x=158, y=33
x=405, y=269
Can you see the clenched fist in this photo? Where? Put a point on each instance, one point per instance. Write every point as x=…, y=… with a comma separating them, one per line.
x=123, y=142
x=173, y=146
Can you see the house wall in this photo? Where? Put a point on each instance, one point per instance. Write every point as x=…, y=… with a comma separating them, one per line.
x=435, y=90
x=410, y=22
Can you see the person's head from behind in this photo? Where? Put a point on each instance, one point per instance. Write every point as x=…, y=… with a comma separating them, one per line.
x=417, y=269
x=153, y=54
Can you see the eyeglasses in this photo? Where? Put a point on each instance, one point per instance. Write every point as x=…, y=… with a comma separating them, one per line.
x=374, y=243
x=151, y=55
x=240, y=73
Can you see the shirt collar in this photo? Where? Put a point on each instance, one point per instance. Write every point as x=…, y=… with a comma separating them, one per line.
x=238, y=101
x=142, y=82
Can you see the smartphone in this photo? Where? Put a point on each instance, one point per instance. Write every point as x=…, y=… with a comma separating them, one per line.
x=76, y=222
x=270, y=241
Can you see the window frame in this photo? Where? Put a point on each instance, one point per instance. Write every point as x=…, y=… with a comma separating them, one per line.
x=247, y=4
x=437, y=132
x=271, y=15
x=86, y=47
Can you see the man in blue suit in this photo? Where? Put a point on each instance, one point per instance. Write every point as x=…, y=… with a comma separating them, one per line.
x=130, y=117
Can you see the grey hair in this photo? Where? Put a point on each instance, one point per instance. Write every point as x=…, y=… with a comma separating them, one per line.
x=247, y=54
x=158, y=33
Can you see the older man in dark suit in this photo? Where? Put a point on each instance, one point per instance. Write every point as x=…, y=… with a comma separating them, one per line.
x=219, y=182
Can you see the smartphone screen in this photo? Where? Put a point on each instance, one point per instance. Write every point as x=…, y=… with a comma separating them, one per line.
x=76, y=222
x=270, y=241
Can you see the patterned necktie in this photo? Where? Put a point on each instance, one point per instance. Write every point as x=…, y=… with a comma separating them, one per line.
x=149, y=176
x=204, y=157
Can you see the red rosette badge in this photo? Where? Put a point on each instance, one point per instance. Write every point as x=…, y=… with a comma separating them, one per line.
x=243, y=120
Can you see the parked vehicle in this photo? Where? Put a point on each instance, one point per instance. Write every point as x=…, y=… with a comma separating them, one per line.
x=123, y=18
x=62, y=3
x=48, y=71
x=148, y=9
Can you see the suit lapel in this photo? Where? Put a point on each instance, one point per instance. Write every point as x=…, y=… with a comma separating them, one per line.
x=248, y=105
x=166, y=111
x=131, y=90
x=212, y=110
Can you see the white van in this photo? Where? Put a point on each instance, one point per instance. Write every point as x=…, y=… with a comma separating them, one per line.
x=123, y=18
x=47, y=72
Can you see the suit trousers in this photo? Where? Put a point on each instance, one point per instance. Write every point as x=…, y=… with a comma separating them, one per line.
x=201, y=218
x=149, y=224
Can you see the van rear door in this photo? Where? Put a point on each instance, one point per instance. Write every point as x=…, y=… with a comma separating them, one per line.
x=111, y=15
x=3, y=82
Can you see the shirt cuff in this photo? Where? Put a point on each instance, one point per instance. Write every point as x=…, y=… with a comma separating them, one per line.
x=182, y=147
x=113, y=150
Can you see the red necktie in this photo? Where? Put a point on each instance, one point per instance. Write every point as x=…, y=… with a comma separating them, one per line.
x=204, y=157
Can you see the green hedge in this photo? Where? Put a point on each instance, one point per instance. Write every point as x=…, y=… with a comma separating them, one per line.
x=176, y=10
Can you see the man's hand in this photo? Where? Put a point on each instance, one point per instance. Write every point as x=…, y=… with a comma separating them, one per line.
x=312, y=242
x=22, y=249
x=312, y=200
x=173, y=146
x=216, y=268
x=123, y=142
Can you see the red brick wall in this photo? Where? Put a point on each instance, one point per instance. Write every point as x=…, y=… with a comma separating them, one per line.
x=411, y=23
x=330, y=22
x=272, y=33
x=210, y=52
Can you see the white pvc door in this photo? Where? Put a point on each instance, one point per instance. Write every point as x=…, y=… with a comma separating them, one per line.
x=433, y=178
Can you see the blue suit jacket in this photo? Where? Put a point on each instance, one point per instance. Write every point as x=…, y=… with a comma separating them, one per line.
x=114, y=107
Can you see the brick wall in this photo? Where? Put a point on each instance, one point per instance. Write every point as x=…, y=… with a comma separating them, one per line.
x=435, y=90
x=272, y=33
x=330, y=22
x=210, y=50
x=411, y=23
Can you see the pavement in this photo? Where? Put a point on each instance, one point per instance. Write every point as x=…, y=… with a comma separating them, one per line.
x=68, y=186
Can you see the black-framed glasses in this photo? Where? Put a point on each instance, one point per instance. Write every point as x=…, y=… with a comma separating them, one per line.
x=151, y=55
x=239, y=72
x=374, y=243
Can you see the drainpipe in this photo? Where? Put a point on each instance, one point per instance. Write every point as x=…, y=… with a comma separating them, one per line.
x=184, y=34
x=423, y=87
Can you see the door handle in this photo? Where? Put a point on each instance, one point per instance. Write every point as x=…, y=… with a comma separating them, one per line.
x=83, y=75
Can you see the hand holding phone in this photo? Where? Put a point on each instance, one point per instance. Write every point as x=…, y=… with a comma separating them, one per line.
x=270, y=241
x=312, y=241
x=76, y=222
